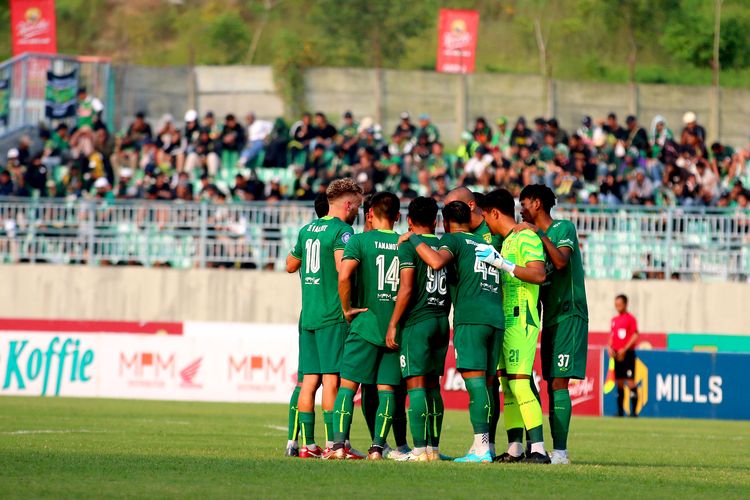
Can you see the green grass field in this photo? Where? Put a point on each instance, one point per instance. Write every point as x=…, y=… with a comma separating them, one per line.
x=112, y=448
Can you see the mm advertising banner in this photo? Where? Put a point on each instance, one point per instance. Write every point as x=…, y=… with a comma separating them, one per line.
x=687, y=385
x=60, y=98
x=586, y=395
x=33, y=26
x=457, y=40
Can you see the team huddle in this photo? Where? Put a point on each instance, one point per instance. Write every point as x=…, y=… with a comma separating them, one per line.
x=375, y=316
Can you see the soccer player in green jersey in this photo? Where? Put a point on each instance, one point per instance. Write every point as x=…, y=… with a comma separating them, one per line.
x=321, y=210
x=373, y=258
x=317, y=256
x=565, y=311
x=522, y=259
x=421, y=318
x=478, y=319
x=480, y=228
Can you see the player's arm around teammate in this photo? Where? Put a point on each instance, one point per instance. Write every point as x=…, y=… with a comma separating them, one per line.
x=565, y=310
x=421, y=317
x=478, y=321
x=522, y=261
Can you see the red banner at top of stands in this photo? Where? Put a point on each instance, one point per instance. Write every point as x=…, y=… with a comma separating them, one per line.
x=58, y=326
x=33, y=26
x=457, y=40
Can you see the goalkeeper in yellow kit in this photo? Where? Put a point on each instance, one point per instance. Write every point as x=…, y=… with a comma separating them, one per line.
x=522, y=259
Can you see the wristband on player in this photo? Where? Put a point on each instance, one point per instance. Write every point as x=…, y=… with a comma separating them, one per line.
x=414, y=240
x=507, y=266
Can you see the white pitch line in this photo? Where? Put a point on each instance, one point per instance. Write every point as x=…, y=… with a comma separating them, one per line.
x=276, y=427
x=44, y=431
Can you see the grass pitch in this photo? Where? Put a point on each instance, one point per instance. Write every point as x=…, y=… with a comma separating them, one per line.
x=111, y=448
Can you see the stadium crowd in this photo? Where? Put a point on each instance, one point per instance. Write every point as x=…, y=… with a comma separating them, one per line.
x=602, y=162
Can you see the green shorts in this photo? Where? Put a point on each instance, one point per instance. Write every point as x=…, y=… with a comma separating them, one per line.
x=565, y=349
x=367, y=363
x=423, y=347
x=321, y=350
x=519, y=349
x=477, y=347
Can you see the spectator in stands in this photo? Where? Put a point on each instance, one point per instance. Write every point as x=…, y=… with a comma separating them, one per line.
x=302, y=132
x=257, y=132
x=232, y=141
x=637, y=136
x=540, y=128
x=611, y=127
x=482, y=133
x=640, y=189
x=160, y=189
x=103, y=189
x=36, y=175
x=210, y=126
x=521, y=135
x=690, y=120
x=405, y=192
x=611, y=190
x=126, y=188
x=12, y=160
x=405, y=129
x=167, y=141
x=6, y=184
x=136, y=135
x=502, y=138
x=708, y=181
x=88, y=110
x=348, y=137
x=325, y=133
x=276, y=148
x=561, y=136
x=204, y=155
x=427, y=129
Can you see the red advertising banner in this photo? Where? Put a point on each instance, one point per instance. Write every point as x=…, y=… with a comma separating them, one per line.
x=33, y=26
x=586, y=394
x=457, y=40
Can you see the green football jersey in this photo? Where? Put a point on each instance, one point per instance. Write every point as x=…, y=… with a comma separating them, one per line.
x=520, y=298
x=430, y=293
x=475, y=287
x=564, y=293
x=377, y=279
x=483, y=230
x=316, y=243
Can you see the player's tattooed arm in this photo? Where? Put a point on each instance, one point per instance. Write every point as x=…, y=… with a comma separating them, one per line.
x=345, y=289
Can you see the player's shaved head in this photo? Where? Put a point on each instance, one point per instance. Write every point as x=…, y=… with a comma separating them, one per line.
x=461, y=194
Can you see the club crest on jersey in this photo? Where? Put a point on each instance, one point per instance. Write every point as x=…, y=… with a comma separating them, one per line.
x=487, y=237
x=345, y=237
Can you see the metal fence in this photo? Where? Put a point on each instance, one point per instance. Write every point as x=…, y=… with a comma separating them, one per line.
x=617, y=243
x=27, y=77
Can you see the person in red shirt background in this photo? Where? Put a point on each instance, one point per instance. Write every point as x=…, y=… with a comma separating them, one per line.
x=622, y=342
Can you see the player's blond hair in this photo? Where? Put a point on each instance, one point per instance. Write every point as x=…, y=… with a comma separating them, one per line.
x=342, y=187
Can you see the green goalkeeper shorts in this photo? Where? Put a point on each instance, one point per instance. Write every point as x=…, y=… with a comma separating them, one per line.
x=519, y=349
x=423, y=347
x=565, y=349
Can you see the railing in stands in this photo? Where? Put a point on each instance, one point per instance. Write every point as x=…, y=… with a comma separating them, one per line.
x=617, y=243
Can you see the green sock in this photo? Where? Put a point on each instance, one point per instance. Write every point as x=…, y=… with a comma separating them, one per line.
x=370, y=407
x=418, y=416
x=529, y=409
x=307, y=427
x=480, y=404
x=384, y=418
x=538, y=398
x=559, y=419
x=513, y=419
x=437, y=408
x=495, y=416
x=399, y=416
x=342, y=414
x=293, y=428
x=328, y=421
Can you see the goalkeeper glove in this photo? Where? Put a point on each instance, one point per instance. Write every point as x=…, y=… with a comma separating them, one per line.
x=488, y=255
